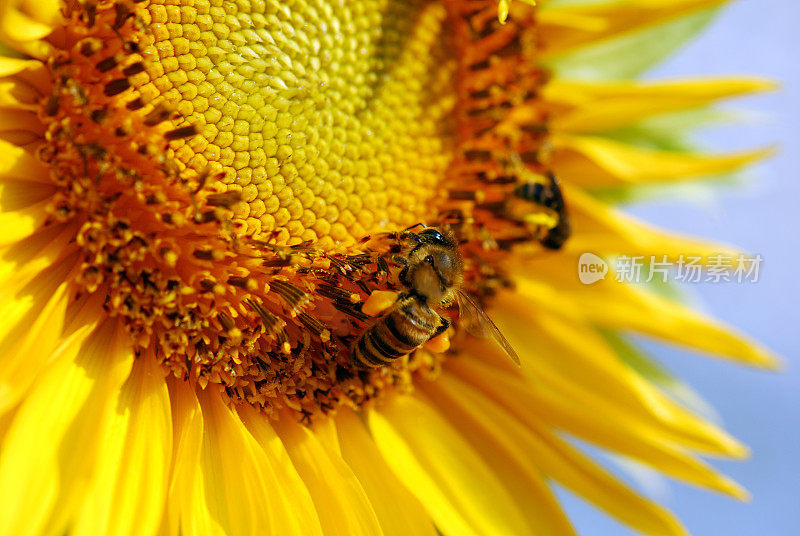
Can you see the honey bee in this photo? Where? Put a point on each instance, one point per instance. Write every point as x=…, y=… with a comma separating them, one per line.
x=432, y=271
x=548, y=195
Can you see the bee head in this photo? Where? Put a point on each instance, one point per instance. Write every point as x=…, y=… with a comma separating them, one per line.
x=436, y=272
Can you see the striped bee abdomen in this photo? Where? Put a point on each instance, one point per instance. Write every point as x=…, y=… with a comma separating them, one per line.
x=408, y=324
x=549, y=196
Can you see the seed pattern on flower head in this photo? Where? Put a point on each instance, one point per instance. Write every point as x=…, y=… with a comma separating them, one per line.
x=216, y=173
x=331, y=123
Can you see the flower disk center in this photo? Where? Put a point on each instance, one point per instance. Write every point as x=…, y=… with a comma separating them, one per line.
x=219, y=162
x=222, y=162
x=330, y=120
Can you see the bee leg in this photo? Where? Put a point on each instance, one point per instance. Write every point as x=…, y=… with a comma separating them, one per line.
x=414, y=237
x=420, y=224
x=382, y=268
x=379, y=301
x=402, y=276
x=442, y=327
x=439, y=341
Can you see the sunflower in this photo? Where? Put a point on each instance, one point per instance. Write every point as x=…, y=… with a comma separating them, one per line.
x=206, y=204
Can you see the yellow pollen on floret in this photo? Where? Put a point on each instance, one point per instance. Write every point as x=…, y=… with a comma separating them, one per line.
x=331, y=122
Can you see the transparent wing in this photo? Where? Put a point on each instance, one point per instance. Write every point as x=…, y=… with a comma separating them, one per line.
x=478, y=323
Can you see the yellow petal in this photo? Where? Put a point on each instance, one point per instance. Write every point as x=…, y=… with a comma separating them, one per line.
x=450, y=479
x=341, y=502
x=17, y=164
x=23, y=261
x=45, y=11
x=595, y=162
x=612, y=19
x=22, y=223
x=595, y=106
x=17, y=25
x=615, y=305
x=33, y=304
x=5, y=422
x=589, y=418
x=558, y=20
x=21, y=137
x=186, y=508
x=17, y=28
x=235, y=472
x=16, y=119
x=514, y=465
x=29, y=345
x=495, y=433
x=17, y=194
x=399, y=512
x=128, y=491
x=52, y=446
x=11, y=66
x=18, y=95
x=291, y=502
x=23, y=209
x=559, y=361
x=600, y=228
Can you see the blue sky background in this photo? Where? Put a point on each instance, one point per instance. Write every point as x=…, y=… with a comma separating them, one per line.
x=761, y=409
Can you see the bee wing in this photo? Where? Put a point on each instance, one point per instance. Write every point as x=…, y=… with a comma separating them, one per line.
x=478, y=323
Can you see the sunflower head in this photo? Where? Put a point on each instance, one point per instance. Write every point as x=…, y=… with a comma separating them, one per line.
x=225, y=174
x=268, y=230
